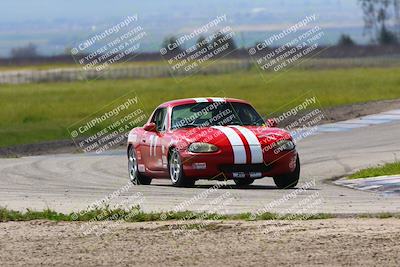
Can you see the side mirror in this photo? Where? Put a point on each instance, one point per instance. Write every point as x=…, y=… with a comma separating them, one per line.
x=271, y=123
x=150, y=127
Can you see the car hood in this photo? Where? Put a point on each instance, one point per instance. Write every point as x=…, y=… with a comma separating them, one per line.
x=225, y=135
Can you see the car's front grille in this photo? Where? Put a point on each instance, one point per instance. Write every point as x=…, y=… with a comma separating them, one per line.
x=245, y=168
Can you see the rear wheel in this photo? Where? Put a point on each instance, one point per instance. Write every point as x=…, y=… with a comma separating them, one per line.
x=289, y=180
x=243, y=182
x=176, y=170
x=134, y=175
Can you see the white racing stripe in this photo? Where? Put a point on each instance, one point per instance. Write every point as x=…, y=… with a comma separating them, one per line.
x=200, y=100
x=254, y=144
x=155, y=145
x=151, y=139
x=217, y=99
x=239, y=152
x=213, y=99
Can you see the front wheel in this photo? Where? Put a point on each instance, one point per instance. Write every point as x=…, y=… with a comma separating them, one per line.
x=134, y=175
x=176, y=170
x=289, y=180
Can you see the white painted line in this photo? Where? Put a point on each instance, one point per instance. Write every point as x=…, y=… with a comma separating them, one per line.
x=376, y=121
x=381, y=117
x=331, y=129
x=357, y=121
x=345, y=125
x=370, y=187
x=392, y=112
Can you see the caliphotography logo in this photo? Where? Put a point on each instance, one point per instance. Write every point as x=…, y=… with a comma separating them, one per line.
x=200, y=48
x=110, y=46
x=110, y=126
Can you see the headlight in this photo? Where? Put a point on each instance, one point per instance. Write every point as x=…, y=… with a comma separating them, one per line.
x=285, y=145
x=202, y=148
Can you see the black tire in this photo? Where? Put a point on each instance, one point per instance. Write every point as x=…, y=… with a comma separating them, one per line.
x=243, y=182
x=289, y=180
x=134, y=175
x=175, y=169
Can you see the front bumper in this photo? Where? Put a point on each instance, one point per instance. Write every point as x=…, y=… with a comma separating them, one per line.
x=219, y=165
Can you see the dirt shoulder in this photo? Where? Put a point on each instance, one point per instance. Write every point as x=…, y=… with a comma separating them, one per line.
x=347, y=112
x=331, y=242
x=334, y=114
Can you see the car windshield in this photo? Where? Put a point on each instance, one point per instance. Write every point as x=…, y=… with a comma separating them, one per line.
x=214, y=114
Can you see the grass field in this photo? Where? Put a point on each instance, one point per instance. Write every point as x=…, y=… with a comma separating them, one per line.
x=135, y=214
x=387, y=169
x=41, y=112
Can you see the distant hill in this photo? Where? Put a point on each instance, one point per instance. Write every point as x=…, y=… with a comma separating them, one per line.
x=54, y=25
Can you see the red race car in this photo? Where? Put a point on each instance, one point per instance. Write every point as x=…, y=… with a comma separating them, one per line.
x=211, y=138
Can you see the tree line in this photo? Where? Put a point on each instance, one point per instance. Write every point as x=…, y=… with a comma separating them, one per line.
x=377, y=15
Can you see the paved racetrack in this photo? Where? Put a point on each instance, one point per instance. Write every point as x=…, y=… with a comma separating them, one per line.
x=71, y=182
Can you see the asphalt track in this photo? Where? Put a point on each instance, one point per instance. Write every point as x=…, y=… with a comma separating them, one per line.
x=71, y=182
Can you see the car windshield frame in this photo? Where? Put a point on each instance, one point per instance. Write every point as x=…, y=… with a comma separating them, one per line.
x=197, y=114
